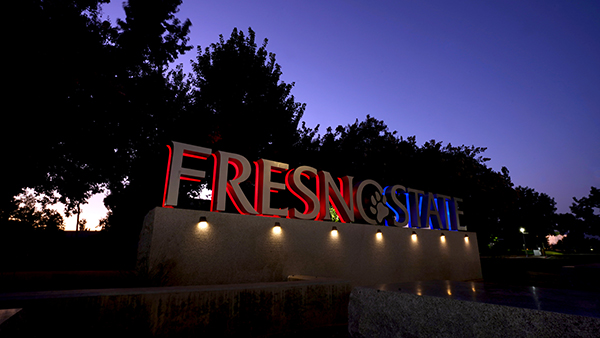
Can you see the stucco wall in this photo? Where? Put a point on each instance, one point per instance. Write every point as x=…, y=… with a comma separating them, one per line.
x=243, y=249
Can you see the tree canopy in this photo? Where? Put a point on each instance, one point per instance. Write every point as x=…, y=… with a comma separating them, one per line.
x=34, y=214
x=94, y=105
x=238, y=95
x=582, y=222
x=368, y=148
x=587, y=211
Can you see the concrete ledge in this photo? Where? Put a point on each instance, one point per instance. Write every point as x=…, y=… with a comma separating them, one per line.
x=216, y=310
x=373, y=312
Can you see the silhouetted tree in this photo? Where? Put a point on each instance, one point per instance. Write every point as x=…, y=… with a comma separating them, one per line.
x=240, y=103
x=60, y=82
x=587, y=210
x=82, y=225
x=533, y=211
x=461, y=171
x=236, y=102
x=149, y=38
x=31, y=216
x=30, y=234
x=568, y=224
x=101, y=106
x=367, y=149
x=583, y=220
x=362, y=149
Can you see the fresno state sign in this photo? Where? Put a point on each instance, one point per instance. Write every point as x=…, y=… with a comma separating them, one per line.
x=393, y=205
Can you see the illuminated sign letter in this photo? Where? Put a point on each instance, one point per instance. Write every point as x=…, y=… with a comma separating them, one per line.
x=293, y=180
x=454, y=215
x=442, y=202
x=221, y=184
x=264, y=186
x=175, y=172
x=340, y=199
x=415, y=208
x=432, y=214
x=394, y=203
x=359, y=210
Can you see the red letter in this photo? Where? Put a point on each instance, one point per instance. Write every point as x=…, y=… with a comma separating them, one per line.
x=341, y=201
x=175, y=172
x=220, y=182
x=262, y=195
x=293, y=180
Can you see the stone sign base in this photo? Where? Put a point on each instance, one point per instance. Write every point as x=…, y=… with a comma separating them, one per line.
x=175, y=249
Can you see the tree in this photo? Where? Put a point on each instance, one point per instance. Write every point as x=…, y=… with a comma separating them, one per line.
x=569, y=225
x=239, y=96
x=151, y=36
x=62, y=78
x=583, y=221
x=31, y=216
x=102, y=95
x=587, y=210
x=30, y=235
x=361, y=147
x=94, y=106
x=82, y=225
x=533, y=211
x=237, y=103
x=369, y=150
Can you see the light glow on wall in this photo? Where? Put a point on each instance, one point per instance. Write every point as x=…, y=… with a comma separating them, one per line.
x=203, y=224
x=277, y=228
x=334, y=232
x=356, y=251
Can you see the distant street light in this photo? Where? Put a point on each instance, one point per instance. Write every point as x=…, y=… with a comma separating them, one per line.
x=524, y=244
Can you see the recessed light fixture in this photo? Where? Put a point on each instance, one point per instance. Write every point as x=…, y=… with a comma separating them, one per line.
x=414, y=236
x=202, y=223
x=334, y=231
x=443, y=237
x=277, y=228
x=379, y=235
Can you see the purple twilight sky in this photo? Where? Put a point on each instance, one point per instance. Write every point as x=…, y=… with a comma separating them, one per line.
x=521, y=78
